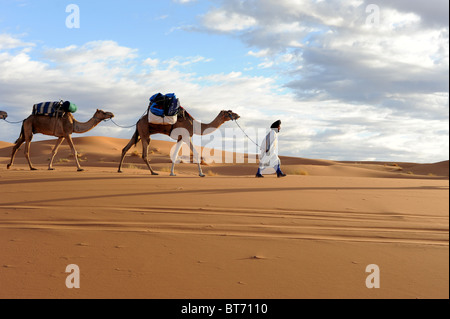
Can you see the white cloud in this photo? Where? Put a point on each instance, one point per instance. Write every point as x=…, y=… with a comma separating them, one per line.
x=103, y=74
x=91, y=51
x=266, y=64
x=326, y=52
x=184, y=61
x=151, y=62
x=223, y=21
x=259, y=54
x=9, y=42
x=107, y=82
x=329, y=52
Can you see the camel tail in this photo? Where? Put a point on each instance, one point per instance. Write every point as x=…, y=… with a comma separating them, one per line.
x=20, y=136
x=136, y=137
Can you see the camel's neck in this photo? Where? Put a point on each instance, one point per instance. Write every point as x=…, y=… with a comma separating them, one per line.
x=79, y=127
x=208, y=128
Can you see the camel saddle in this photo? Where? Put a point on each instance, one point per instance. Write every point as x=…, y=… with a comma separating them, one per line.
x=164, y=104
x=54, y=108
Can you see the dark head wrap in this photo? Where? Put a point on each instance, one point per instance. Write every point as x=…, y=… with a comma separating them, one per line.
x=276, y=124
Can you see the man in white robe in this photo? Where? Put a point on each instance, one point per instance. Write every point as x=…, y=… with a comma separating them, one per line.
x=269, y=162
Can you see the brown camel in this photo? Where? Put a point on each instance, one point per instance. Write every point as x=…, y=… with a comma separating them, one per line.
x=3, y=115
x=61, y=127
x=186, y=127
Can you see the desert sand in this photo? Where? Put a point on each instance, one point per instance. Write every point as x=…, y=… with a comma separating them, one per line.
x=228, y=235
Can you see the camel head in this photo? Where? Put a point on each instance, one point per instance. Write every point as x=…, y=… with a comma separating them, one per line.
x=102, y=115
x=3, y=115
x=229, y=116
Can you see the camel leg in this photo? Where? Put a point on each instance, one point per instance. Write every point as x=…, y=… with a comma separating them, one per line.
x=74, y=151
x=16, y=147
x=175, y=156
x=54, y=151
x=27, y=154
x=145, y=147
x=197, y=156
x=125, y=151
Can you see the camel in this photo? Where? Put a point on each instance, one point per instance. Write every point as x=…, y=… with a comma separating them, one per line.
x=61, y=127
x=185, y=123
x=3, y=115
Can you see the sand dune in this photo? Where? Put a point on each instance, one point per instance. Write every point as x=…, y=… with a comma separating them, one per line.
x=229, y=235
x=105, y=152
x=5, y=145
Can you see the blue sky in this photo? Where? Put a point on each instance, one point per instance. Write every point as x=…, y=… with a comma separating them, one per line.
x=154, y=28
x=344, y=87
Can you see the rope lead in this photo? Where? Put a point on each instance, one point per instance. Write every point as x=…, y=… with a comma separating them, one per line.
x=244, y=132
x=12, y=122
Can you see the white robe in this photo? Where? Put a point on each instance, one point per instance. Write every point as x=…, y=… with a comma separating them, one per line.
x=269, y=161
